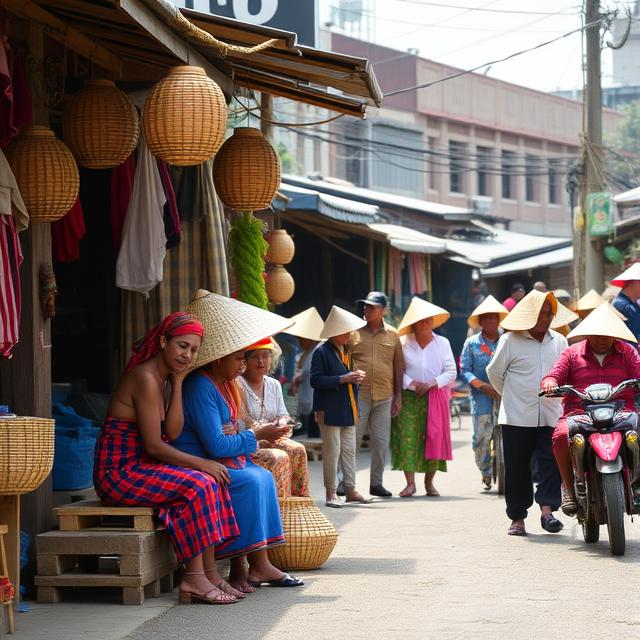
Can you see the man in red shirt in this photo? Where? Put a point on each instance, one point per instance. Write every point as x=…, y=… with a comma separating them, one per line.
x=604, y=357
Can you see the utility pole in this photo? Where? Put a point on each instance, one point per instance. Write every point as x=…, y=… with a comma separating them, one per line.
x=592, y=277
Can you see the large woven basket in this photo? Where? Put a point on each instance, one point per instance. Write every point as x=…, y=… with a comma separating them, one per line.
x=26, y=453
x=46, y=172
x=310, y=537
x=280, y=285
x=100, y=125
x=246, y=171
x=185, y=117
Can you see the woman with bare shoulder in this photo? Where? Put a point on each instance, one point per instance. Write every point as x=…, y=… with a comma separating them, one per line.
x=135, y=466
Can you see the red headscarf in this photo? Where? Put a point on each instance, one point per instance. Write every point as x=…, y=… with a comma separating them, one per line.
x=175, y=324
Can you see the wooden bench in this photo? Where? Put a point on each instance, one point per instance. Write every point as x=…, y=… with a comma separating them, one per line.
x=313, y=447
x=90, y=514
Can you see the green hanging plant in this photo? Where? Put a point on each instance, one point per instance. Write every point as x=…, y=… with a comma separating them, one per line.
x=613, y=254
x=248, y=247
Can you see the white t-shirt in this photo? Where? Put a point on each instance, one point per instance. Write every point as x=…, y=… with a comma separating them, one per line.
x=270, y=406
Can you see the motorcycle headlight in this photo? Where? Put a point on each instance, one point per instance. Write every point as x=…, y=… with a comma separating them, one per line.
x=602, y=414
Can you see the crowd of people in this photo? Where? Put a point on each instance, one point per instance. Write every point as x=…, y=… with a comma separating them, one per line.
x=199, y=430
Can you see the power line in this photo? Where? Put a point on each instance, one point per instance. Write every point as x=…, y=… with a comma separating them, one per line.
x=467, y=8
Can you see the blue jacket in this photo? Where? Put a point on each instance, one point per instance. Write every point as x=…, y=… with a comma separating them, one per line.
x=328, y=394
x=476, y=355
x=630, y=310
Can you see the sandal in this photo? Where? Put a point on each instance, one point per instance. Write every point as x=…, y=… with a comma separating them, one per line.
x=225, y=587
x=285, y=581
x=406, y=492
x=189, y=597
x=516, y=530
x=242, y=588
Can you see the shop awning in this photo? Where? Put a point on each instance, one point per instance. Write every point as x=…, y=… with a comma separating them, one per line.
x=151, y=35
x=409, y=240
x=555, y=258
x=628, y=198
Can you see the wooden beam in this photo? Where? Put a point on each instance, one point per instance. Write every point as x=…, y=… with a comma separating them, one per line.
x=171, y=41
x=67, y=35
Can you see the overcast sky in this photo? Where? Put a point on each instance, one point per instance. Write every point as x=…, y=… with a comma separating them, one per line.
x=465, y=38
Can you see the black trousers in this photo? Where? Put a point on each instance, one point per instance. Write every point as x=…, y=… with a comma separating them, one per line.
x=528, y=458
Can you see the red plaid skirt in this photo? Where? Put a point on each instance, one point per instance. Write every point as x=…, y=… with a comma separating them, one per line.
x=194, y=508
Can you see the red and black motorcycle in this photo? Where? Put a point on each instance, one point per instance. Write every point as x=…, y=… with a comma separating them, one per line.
x=606, y=459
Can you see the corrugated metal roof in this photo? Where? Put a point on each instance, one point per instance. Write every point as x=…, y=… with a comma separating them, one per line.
x=553, y=258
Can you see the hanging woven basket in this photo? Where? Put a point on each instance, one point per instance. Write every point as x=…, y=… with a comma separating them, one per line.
x=46, y=172
x=281, y=247
x=280, y=285
x=26, y=453
x=100, y=125
x=310, y=537
x=246, y=171
x=185, y=117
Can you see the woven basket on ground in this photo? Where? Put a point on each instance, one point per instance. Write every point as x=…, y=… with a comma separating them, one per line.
x=185, y=117
x=310, y=537
x=26, y=453
x=247, y=171
x=46, y=172
x=281, y=247
x=280, y=285
x=100, y=125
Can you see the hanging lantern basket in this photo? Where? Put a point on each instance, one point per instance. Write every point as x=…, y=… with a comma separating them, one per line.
x=185, y=117
x=246, y=171
x=280, y=285
x=100, y=125
x=46, y=172
x=281, y=247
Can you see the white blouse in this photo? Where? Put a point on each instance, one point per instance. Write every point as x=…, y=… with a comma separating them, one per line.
x=434, y=362
x=270, y=406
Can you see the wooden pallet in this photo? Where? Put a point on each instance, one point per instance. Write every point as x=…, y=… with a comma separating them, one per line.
x=139, y=562
x=313, y=447
x=90, y=514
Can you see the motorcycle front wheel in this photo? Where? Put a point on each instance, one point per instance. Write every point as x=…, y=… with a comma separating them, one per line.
x=613, y=490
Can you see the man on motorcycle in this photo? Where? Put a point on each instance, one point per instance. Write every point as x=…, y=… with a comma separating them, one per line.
x=604, y=357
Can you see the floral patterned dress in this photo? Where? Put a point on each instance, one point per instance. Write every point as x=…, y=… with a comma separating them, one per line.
x=286, y=459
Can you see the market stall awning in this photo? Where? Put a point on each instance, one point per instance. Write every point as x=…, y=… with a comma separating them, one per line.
x=151, y=35
x=628, y=198
x=555, y=258
x=409, y=240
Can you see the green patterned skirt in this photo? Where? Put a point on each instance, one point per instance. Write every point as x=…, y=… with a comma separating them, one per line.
x=408, y=437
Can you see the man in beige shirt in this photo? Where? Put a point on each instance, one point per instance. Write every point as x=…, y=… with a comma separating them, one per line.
x=376, y=349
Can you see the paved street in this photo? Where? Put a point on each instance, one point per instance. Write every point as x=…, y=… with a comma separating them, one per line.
x=418, y=568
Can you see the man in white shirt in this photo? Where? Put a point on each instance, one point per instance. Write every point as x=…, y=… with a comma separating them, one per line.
x=522, y=359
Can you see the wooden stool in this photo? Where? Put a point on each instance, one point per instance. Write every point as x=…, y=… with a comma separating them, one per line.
x=313, y=447
x=4, y=529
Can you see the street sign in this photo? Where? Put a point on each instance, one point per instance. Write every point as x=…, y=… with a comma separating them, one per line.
x=299, y=16
x=599, y=214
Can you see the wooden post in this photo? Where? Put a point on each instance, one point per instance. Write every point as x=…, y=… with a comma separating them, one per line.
x=266, y=113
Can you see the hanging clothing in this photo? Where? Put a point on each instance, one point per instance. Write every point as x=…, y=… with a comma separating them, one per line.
x=171, y=213
x=11, y=202
x=121, y=187
x=10, y=261
x=139, y=265
x=186, y=184
x=253, y=493
x=66, y=234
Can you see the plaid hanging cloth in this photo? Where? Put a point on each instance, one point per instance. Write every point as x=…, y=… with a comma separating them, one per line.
x=10, y=260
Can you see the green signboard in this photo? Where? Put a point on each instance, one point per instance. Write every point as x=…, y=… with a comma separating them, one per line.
x=599, y=214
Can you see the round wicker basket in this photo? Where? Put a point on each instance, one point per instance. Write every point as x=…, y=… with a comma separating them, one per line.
x=280, y=285
x=247, y=171
x=100, y=125
x=281, y=247
x=26, y=453
x=185, y=117
x=310, y=537
x=46, y=172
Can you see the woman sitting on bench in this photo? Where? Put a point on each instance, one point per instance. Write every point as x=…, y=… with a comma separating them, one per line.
x=134, y=466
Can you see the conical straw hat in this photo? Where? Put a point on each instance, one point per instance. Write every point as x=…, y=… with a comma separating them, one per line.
x=524, y=315
x=488, y=305
x=308, y=324
x=564, y=317
x=340, y=321
x=603, y=321
x=632, y=273
x=230, y=325
x=420, y=309
x=589, y=301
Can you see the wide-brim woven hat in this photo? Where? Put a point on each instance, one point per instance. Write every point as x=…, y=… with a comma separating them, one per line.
x=589, y=301
x=308, y=324
x=420, y=309
x=340, y=321
x=603, y=321
x=488, y=305
x=632, y=273
x=564, y=316
x=230, y=325
x=524, y=315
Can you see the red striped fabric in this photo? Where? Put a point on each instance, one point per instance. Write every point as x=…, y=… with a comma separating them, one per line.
x=10, y=261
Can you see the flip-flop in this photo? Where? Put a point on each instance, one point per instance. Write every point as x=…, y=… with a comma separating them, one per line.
x=516, y=530
x=285, y=581
x=433, y=494
x=407, y=494
x=190, y=597
x=336, y=503
x=362, y=500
